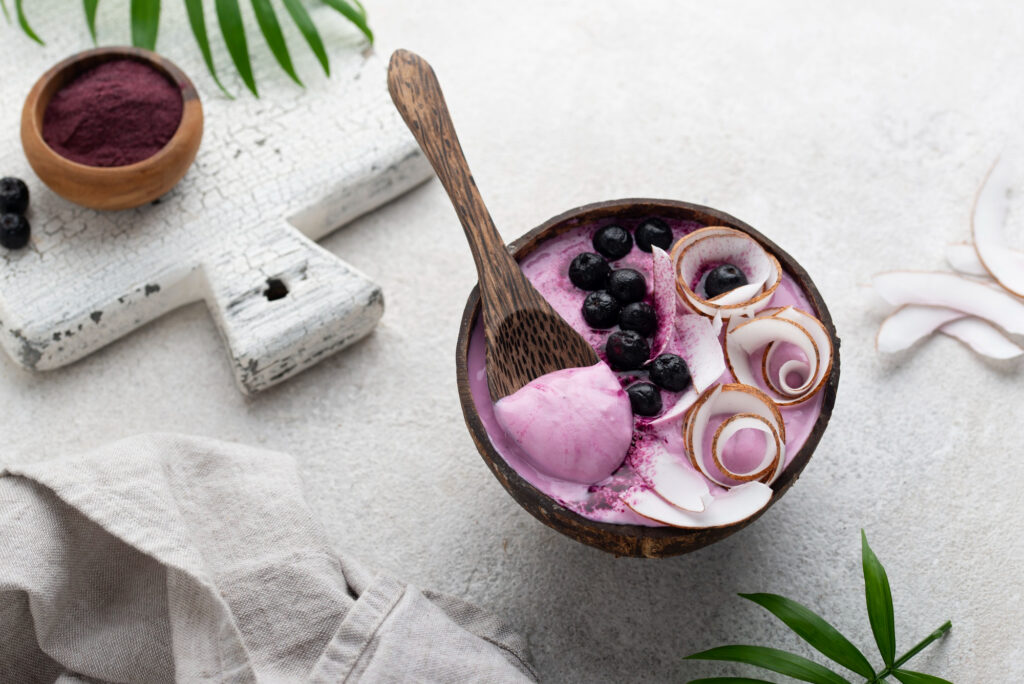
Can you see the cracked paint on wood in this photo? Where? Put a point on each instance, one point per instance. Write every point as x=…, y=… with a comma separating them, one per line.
x=272, y=176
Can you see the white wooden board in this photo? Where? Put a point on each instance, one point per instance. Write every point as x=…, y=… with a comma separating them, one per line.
x=272, y=175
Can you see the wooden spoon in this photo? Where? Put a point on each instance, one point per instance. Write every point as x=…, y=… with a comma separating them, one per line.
x=525, y=336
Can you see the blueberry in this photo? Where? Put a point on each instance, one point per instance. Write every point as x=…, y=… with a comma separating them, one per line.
x=613, y=242
x=723, y=279
x=588, y=271
x=669, y=371
x=626, y=350
x=644, y=398
x=601, y=310
x=639, y=316
x=654, y=232
x=13, y=196
x=14, y=231
x=627, y=285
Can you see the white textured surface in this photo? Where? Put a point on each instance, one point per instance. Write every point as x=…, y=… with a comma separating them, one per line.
x=271, y=176
x=853, y=134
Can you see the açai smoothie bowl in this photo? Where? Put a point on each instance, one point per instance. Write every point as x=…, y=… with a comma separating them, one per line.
x=718, y=372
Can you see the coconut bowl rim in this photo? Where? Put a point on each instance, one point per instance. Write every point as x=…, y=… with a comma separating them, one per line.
x=636, y=540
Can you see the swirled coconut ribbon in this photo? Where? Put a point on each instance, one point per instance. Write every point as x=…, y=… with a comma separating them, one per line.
x=748, y=408
x=697, y=253
x=770, y=330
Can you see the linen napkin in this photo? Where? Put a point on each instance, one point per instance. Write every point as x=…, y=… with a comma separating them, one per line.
x=170, y=558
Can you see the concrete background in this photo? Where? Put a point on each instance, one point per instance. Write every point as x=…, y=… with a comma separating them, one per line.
x=853, y=134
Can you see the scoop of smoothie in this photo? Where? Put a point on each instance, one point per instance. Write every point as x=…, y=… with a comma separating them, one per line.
x=574, y=424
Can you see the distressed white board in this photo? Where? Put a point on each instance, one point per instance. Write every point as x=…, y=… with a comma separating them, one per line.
x=272, y=175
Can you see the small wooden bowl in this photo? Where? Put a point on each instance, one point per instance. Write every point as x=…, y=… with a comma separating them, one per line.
x=113, y=187
x=633, y=540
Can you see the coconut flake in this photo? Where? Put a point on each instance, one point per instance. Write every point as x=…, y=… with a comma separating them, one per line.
x=664, y=300
x=769, y=330
x=696, y=341
x=964, y=258
x=733, y=400
x=718, y=244
x=911, y=323
x=953, y=292
x=728, y=508
x=674, y=480
x=988, y=224
x=746, y=421
x=983, y=338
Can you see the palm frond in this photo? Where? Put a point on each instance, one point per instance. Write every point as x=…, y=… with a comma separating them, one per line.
x=90, y=16
x=267, y=20
x=23, y=22
x=145, y=26
x=197, y=21
x=145, y=23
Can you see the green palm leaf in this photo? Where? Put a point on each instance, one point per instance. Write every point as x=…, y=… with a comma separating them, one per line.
x=815, y=631
x=267, y=19
x=145, y=23
x=911, y=677
x=231, y=27
x=775, y=660
x=198, y=23
x=23, y=22
x=305, y=24
x=879, y=602
x=7, y=15
x=356, y=16
x=90, y=16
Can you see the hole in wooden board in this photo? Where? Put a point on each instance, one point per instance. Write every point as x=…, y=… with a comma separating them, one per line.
x=276, y=289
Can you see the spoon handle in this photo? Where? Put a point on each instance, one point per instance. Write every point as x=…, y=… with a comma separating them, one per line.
x=418, y=97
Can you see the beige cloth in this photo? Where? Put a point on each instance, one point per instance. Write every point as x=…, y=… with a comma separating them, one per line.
x=167, y=558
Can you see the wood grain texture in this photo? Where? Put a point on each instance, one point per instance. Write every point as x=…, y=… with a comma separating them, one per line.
x=634, y=540
x=525, y=336
x=117, y=187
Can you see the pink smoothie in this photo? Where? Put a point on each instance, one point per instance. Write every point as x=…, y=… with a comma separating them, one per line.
x=595, y=494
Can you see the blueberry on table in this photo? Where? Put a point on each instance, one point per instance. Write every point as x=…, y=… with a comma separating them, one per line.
x=601, y=310
x=653, y=232
x=627, y=285
x=14, y=231
x=613, y=242
x=669, y=371
x=626, y=350
x=722, y=279
x=644, y=398
x=589, y=271
x=13, y=196
x=639, y=316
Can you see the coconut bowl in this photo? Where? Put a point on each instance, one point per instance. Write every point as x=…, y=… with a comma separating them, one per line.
x=634, y=540
x=111, y=187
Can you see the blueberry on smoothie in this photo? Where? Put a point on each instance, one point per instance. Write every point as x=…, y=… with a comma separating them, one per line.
x=653, y=232
x=669, y=371
x=613, y=242
x=644, y=398
x=639, y=316
x=627, y=285
x=626, y=350
x=723, y=279
x=589, y=271
x=601, y=310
